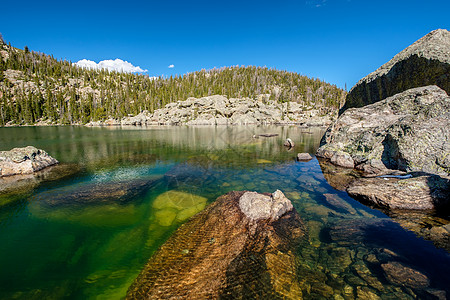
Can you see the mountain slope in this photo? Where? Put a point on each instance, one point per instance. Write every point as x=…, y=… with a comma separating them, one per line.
x=37, y=88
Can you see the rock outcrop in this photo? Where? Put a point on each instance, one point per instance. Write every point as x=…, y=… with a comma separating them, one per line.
x=25, y=160
x=396, y=122
x=426, y=62
x=219, y=110
x=409, y=131
x=239, y=247
x=398, y=273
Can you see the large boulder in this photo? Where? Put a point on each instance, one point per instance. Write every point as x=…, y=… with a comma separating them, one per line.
x=426, y=62
x=25, y=160
x=409, y=131
x=240, y=247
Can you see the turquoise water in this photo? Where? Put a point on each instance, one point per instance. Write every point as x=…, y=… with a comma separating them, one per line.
x=84, y=229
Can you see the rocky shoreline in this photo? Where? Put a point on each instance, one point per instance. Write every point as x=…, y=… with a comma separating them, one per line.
x=407, y=133
x=393, y=136
x=219, y=110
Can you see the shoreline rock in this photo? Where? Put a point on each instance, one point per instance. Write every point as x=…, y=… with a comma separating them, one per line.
x=396, y=121
x=219, y=110
x=238, y=247
x=426, y=192
x=409, y=132
x=27, y=160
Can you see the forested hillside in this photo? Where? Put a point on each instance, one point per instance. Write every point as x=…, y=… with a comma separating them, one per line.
x=36, y=87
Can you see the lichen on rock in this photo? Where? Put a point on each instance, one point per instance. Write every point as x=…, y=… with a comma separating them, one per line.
x=409, y=131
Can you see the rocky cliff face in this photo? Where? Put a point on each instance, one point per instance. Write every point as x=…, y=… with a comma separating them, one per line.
x=409, y=131
x=239, y=247
x=219, y=110
x=426, y=62
x=403, y=127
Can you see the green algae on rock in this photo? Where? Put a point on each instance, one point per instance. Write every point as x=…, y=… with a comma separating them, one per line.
x=249, y=257
x=177, y=206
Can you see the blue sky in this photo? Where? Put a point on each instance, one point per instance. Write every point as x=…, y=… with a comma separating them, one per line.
x=339, y=41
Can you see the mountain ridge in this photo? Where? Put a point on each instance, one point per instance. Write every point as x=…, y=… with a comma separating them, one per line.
x=36, y=88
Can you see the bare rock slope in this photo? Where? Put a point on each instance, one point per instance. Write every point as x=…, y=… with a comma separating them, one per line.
x=219, y=110
x=426, y=62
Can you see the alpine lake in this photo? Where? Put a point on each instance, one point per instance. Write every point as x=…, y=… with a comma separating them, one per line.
x=85, y=228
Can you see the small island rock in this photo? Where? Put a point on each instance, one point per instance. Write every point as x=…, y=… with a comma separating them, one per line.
x=24, y=161
x=304, y=157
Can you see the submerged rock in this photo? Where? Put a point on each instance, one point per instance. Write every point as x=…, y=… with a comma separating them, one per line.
x=338, y=177
x=426, y=62
x=102, y=204
x=227, y=252
x=177, y=206
x=423, y=192
x=119, y=192
x=25, y=160
x=399, y=274
x=425, y=224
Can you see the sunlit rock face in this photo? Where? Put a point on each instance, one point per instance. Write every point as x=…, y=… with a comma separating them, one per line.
x=25, y=160
x=241, y=246
x=257, y=206
x=409, y=131
x=219, y=110
x=426, y=62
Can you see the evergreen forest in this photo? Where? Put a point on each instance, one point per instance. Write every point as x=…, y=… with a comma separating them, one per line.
x=36, y=87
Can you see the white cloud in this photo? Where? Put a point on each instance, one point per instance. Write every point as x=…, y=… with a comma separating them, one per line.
x=316, y=3
x=111, y=65
x=171, y=66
